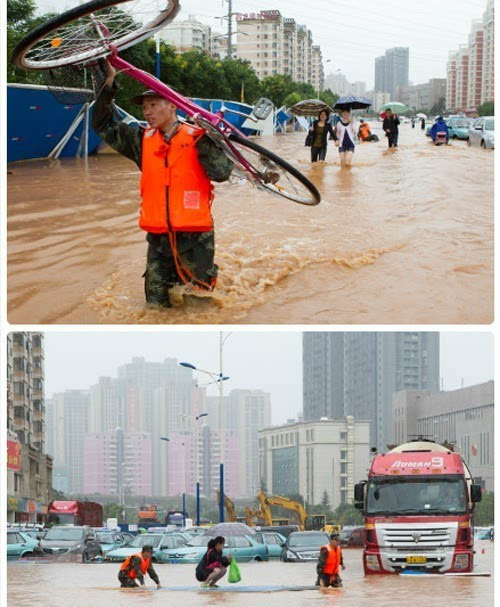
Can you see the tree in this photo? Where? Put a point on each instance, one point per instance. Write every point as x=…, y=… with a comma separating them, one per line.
x=346, y=514
x=291, y=99
x=325, y=500
x=484, y=513
x=486, y=109
x=277, y=87
x=439, y=107
x=328, y=97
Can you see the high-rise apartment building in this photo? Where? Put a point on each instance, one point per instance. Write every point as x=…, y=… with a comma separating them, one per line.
x=380, y=75
x=188, y=35
x=475, y=65
x=29, y=468
x=71, y=410
x=488, y=84
x=392, y=70
x=357, y=373
x=245, y=412
x=278, y=45
x=470, y=69
x=117, y=463
x=317, y=72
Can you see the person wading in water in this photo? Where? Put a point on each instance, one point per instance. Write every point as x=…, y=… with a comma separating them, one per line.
x=135, y=568
x=178, y=163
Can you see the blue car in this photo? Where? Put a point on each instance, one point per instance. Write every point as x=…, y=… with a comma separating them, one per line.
x=21, y=545
x=244, y=549
x=458, y=128
x=161, y=542
x=272, y=540
x=111, y=540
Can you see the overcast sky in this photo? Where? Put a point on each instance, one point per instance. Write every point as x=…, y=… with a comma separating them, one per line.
x=352, y=34
x=270, y=361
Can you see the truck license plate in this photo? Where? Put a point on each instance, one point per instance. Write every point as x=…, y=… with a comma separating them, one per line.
x=416, y=559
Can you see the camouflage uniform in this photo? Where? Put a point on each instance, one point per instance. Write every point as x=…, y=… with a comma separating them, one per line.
x=196, y=249
x=128, y=582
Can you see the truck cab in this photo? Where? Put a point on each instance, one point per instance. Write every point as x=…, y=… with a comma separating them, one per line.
x=418, y=503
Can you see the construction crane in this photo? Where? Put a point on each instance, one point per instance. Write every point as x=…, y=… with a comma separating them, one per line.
x=229, y=505
x=312, y=522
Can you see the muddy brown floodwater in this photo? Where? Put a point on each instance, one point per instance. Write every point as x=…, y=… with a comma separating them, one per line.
x=404, y=236
x=77, y=585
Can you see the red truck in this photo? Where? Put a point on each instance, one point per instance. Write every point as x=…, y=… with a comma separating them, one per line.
x=418, y=504
x=74, y=513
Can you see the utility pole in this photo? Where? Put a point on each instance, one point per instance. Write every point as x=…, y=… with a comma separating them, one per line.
x=230, y=29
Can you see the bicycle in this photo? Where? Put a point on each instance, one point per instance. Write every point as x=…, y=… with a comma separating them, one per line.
x=98, y=30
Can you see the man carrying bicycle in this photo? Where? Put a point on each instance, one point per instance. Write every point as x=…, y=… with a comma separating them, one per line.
x=178, y=162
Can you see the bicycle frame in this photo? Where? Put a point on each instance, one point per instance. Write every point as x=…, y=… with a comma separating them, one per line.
x=217, y=120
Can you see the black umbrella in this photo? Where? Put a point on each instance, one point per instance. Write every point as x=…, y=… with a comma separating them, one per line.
x=229, y=530
x=351, y=102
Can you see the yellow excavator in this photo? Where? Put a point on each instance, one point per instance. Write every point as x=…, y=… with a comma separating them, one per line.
x=305, y=522
x=229, y=506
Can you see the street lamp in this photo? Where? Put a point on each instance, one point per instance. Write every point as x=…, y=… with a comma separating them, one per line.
x=217, y=378
x=182, y=444
x=195, y=419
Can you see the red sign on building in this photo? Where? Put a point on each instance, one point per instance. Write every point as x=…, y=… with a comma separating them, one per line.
x=13, y=455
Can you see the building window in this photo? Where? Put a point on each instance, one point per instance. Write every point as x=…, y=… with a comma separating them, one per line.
x=343, y=496
x=343, y=436
x=343, y=468
x=18, y=483
x=343, y=481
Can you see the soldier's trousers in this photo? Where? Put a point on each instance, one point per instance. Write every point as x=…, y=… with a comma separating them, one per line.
x=126, y=581
x=196, y=252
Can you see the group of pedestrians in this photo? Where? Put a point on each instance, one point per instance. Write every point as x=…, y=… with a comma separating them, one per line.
x=214, y=565
x=343, y=130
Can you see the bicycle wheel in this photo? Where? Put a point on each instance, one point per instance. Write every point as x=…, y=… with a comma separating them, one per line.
x=85, y=33
x=275, y=175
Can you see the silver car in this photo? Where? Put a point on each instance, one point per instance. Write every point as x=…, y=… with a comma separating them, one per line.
x=482, y=132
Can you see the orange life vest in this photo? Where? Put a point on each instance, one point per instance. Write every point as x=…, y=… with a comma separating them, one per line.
x=176, y=192
x=145, y=563
x=364, y=131
x=333, y=560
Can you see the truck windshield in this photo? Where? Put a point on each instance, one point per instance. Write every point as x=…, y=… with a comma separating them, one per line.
x=61, y=519
x=416, y=496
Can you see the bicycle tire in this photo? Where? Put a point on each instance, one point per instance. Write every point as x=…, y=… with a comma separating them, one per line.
x=19, y=55
x=313, y=197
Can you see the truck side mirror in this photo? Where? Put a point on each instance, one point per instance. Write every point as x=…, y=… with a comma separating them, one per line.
x=476, y=494
x=359, y=492
x=358, y=505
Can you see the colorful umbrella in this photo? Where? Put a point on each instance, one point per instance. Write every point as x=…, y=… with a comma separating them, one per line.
x=396, y=107
x=309, y=107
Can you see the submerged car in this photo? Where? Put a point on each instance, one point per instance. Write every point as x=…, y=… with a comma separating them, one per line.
x=303, y=546
x=458, y=128
x=354, y=536
x=71, y=541
x=21, y=545
x=273, y=542
x=244, y=549
x=482, y=132
x=160, y=542
x=110, y=540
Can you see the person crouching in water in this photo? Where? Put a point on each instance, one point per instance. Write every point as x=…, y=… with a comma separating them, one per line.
x=346, y=133
x=213, y=565
x=135, y=568
x=320, y=129
x=329, y=562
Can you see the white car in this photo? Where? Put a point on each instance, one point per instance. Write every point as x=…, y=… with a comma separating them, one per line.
x=482, y=132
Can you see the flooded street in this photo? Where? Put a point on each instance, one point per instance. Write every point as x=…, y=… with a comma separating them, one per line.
x=59, y=585
x=404, y=236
